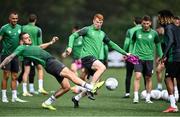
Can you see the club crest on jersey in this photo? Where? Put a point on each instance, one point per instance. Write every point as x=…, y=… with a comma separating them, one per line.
x=9, y=32
x=139, y=36
x=19, y=31
x=150, y=36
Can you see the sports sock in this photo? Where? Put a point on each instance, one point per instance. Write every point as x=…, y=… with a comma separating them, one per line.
x=50, y=100
x=40, y=82
x=24, y=87
x=14, y=94
x=31, y=87
x=4, y=93
x=172, y=101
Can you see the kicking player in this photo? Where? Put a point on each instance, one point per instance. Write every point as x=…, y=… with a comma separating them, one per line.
x=93, y=39
x=51, y=65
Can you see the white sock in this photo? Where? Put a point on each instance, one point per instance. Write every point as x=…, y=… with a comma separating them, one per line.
x=14, y=94
x=172, y=101
x=80, y=95
x=50, y=100
x=4, y=93
x=159, y=86
x=175, y=88
x=40, y=82
x=24, y=87
x=136, y=96
x=17, y=83
x=127, y=94
x=87, y=86
x=31, y=87
x=148, y=96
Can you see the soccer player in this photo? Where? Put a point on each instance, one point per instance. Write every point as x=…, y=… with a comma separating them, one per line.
x=171, y=55
x=143, y=42
x=76, y=52
x=36, y=36
x=93, y=39
x=9, y=36
x=51, y=65
x=130, y=66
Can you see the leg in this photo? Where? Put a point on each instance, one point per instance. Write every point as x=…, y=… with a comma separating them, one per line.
x=64, y=89
x=129, y=72
x=4, y=85
x=137, y=79
x=159, y=71
x=148, y=89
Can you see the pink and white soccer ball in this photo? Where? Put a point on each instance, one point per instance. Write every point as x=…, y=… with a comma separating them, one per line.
x=156, y=94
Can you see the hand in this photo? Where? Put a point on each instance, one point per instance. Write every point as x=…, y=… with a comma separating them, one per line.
x=163, y=60
x=64, y=55
x=54, y=39
x=68, y=51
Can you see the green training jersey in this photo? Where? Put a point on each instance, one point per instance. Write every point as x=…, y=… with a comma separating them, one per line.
x=144, y=43
x=34, y=32
x=10, y=38
x=77, y=47
x=104, y=52
x=93, y=41
x=128, y=38
x=34, y=53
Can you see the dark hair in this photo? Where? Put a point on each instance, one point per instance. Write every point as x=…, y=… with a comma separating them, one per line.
x=165, y=17
x=21, y=35
x=137, y=20
x=176, y=17
x=146, y=18
x=32, y=17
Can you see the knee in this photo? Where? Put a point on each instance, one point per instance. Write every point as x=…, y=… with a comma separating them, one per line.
x=67, y=88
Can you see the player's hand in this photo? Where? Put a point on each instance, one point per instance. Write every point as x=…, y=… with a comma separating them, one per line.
x=64, y=55
x=54, y=39
x=68, y=51
x=163, y=60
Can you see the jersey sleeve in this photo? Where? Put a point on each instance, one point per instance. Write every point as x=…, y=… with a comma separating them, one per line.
x=113, y=45
x=168, y=41
x=1, y=31
x=127, y=41
x=19, y=50
x=76, y=35
x=39, y=36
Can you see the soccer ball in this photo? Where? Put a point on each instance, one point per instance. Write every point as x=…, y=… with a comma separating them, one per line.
x=143, y=94
x=156, y=94
x=164, y=95
x=111, y=83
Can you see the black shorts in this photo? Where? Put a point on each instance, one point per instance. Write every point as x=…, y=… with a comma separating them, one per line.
x=54, y=67
x=172, y=69
x=27, y=62
x=12, y=66
x=87, y=64
x=145, y=67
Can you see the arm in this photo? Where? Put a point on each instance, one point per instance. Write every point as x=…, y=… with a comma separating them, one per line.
x=168, y=41
x=45, y=45
x=7, y=60
x=126, y=42
x=114, y=46
x=39, y=35
x=73, y=36
x=1, y=38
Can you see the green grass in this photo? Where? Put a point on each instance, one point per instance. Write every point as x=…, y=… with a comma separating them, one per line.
x=107, y=103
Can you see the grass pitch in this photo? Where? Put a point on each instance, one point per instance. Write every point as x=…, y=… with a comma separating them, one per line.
x=107, y=103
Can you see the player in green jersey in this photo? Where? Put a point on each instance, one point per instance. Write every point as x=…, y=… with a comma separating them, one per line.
x=51, y=65
x=93, y=39
x=36, y=36
x=144, y=40
x=130, y=66
x=9, y=36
